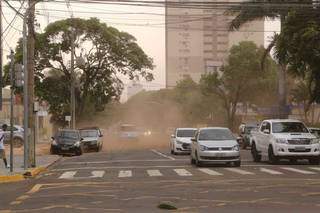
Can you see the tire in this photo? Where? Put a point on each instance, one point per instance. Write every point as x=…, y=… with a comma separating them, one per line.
x=53, y=151
x=237, y=163
x=197, y=161
x=272, y=158
x=314, y=161
x=79, y=151
x=293, y=161
x=255, y=154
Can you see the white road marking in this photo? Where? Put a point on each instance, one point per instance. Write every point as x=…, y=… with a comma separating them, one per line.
x=125, y=173
x=298, y=171
x=97, y=174
x=315, y=168
x=68, y=175
x=270, y=171
x=121, y=161
x=239, y=171
x=154, y=173
x=182, y=172
x=161, y=154
x=116, y=167
x=210, y=172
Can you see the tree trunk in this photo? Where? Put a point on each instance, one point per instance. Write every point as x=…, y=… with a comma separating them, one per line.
x=282, y=92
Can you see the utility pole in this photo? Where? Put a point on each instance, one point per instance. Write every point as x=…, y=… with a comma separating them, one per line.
x=30, y=64
x=72, y=74
x=11, y=108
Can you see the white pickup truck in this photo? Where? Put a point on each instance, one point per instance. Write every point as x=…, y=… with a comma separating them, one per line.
x=284, y=139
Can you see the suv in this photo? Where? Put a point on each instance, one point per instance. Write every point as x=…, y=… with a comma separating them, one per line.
x=67, y=141
x=92, y=138
x=18, y=135
x=285, y=139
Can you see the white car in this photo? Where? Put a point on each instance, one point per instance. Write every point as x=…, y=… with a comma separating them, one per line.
x=181, y=140
x=285, y=139
x=215, y=145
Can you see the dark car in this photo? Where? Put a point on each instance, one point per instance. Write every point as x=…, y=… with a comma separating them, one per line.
x=92, y=138
x=67, y=141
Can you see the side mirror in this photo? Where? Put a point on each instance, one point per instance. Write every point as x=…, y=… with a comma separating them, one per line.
x=101, y=136
x=81, y=139
x=173, y=136
x=52, y=138
x=239, y=139
x=266, y=131
x=193, y=139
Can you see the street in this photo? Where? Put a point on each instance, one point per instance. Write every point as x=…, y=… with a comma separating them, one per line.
x=140, y=180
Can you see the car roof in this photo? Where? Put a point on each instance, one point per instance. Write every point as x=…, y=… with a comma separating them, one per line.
x=89, y=128
x=68, y=130
x=283, y=120
x=186, y=128
x=208, y=128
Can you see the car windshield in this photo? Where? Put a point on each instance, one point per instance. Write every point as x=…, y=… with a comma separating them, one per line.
x=215, y=134
x=68, y=134
x=89, y=133
x=289, y=127
x=186, y=133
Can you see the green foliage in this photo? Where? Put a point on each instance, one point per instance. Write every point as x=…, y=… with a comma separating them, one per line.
x=241, y=79
x=105, y=52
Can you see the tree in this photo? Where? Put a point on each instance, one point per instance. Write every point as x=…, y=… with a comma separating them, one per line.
x=104, y=52
x=239, y=80
x=273, y=9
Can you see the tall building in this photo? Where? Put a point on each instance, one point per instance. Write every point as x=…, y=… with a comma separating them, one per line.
x=198, y=41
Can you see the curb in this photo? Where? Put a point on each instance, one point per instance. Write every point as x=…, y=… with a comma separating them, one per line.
x=31, y=173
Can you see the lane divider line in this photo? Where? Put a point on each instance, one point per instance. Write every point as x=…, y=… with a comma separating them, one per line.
x=161, y=154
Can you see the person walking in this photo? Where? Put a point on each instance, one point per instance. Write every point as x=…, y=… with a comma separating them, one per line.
x=2, y=150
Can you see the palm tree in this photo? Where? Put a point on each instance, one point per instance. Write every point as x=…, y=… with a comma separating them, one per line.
x=272, y=9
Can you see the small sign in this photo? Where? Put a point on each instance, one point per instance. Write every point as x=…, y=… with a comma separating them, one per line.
x=68, y=118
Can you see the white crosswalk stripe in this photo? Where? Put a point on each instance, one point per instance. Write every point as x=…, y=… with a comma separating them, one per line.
x=97, y=174
x=315, y=168
x=68, y=175
x=210, y=172
x=239, y=171
x=271, y=171
x=154, y=173
x=298, y=171
x=125, y=173
x=182, y=172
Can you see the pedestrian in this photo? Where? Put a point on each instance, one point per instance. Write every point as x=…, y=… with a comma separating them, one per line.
x=2, y=150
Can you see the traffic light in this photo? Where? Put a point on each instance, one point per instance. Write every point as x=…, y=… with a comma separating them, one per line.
x=19, y=75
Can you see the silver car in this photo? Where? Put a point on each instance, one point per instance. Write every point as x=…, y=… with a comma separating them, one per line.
x=215, y=145
x=18, y=132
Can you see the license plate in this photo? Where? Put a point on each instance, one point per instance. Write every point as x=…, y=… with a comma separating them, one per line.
x=220, y=154
x=300, y=148
x=64, y=148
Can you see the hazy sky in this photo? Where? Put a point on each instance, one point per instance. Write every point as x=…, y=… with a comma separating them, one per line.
x=149, y=29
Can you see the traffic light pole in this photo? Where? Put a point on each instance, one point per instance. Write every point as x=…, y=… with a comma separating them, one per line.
x=11, y=108
x=25, y=94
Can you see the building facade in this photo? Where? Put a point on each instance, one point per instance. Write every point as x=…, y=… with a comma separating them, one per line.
x=198, y=41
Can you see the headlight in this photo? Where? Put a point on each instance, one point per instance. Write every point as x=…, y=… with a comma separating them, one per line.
x=179, y=142
x=236, y=148
x=315, y=141
x=77, y=143
x=203, y=148
x=54, y=143
x=281, y=140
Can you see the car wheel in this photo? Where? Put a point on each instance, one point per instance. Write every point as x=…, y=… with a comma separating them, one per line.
x=255, y=154
x=79, y=151
x=53, y=151
x=197, y=161
x=272, y=158
x=17, y=142
x=314, y=161
x=237, y=163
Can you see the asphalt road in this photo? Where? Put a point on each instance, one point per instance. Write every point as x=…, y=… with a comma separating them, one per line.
x=140, y=180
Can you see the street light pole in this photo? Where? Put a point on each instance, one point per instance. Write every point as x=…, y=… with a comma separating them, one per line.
x=72, y=101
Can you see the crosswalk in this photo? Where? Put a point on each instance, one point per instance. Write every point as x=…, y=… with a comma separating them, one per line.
x=189, y=172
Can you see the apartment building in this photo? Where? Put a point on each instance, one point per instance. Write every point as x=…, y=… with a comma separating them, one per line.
x=198, y=41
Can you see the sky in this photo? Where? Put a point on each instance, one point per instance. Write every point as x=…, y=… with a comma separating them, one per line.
x=145, y=23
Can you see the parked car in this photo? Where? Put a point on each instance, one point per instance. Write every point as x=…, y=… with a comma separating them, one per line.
x=315, y=131
x=181, y=140
x=128, y=132
x=285, y=139
x=92, y=138
x=67, y=141
x=246, y=137
x=215, y=145
x=18, y=135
